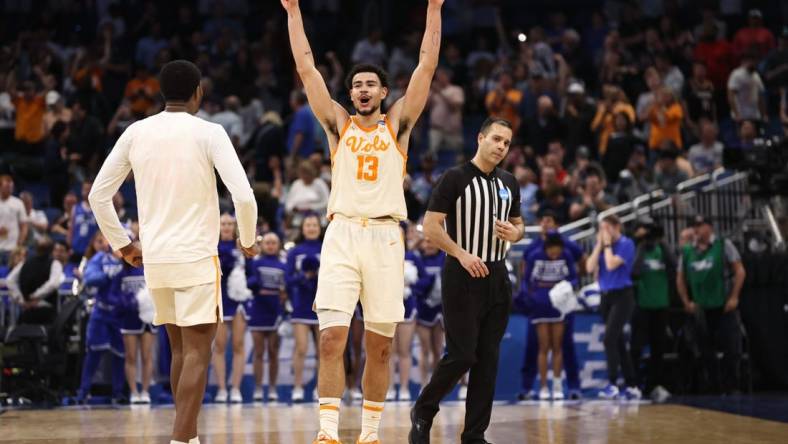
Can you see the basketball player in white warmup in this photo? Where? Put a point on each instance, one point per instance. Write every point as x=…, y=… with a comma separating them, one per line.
x=363, y=250
x=173, y=155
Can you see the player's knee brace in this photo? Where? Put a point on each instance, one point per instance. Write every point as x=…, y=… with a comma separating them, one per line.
x=327, y=318
x=386, y=329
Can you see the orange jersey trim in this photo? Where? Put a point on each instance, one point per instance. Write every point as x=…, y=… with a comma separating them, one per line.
x=366, y=129
x=399, y=148
x=333, y=152
x=218, y=291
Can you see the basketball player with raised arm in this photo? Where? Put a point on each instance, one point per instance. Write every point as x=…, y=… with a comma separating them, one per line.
x=363, y=250
x=173, y=155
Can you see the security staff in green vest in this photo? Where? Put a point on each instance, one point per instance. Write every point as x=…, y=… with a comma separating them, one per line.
x=702, y=280
x=655, y=264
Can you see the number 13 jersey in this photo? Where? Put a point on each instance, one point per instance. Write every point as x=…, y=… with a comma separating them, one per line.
x=367, y=172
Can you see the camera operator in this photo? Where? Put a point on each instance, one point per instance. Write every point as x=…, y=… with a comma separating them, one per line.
x=654, y=264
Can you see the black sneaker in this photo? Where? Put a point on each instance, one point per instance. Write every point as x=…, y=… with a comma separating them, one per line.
x=419, y=429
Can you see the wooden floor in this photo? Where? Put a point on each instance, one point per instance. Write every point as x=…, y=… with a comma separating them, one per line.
x=588, y=422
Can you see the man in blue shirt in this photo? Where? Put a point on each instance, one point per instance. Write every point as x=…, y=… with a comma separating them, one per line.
x=301, y=135
x=614, y=256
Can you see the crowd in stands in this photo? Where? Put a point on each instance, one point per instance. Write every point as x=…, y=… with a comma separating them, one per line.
x=608, y=101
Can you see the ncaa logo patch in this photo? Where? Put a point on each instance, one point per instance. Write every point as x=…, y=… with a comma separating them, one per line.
x=503, y=193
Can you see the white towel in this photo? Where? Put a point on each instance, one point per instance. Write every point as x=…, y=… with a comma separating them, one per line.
x=563, y=298
x=236, y=285
x=145, y=306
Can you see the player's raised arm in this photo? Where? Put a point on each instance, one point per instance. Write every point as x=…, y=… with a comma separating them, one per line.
x=406, y=111
x=330, y=114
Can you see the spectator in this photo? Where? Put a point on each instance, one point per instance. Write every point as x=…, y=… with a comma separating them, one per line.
x=555, y=158
x=653, y=268
x=665, y=117
x=614, y=102
x=700, y=98
x=554, y=198
x=526, y=179
x=717, y=54
x=85, y=149
x=613, y=256
x=578, y=113
x=230, y=119
x=544, y=128
x=669, y=175
x=776, y=64
x=370, y=50
x=308, y=194
x=13, y=220
x=142, y=92
x=755, y=37
x=712, y=299
x=620, y=147
x=30, y=108
x=446, y=101
x=670, y=73
x=56, y=111
x=38, y=226
x=267, y=143
x=647, y=98
x=636, y=179
x=61, y=253
x=706, y=155
x=425, y=180
x=62, y=224
x=747, y=134
x=504, y=101
x=149, y=46
x=745, y=91
x=82, y=226
x=34, y=283
x=301, y=134
x=593, y=198
x=709, y=18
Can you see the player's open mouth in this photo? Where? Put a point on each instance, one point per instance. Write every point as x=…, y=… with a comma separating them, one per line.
x=364, y=100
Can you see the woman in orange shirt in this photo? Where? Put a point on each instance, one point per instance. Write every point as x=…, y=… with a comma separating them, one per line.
x=614, y=102
x=665, y=116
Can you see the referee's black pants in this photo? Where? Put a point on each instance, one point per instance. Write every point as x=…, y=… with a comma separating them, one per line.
x=475, y=313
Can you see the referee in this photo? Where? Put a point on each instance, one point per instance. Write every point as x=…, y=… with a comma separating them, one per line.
x=480, y=206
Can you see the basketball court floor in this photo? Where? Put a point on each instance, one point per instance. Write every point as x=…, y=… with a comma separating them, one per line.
x=532, y=422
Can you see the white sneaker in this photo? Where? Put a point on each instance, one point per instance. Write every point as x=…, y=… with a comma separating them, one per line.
x=221, y=396
x=558, y=390
x=391, y=395
x=356, y=395
x=298, y=394
x=145, y=398
x=134, y=398
x=462, y=395
x=272, y=395
x=404, y=394
x=544, y=394
x=235, y=396
x=633, y=394
x=258, y=394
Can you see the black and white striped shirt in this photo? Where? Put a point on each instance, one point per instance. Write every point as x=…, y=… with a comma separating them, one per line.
x=472, y=201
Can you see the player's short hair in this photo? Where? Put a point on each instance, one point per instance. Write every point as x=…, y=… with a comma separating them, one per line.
x=367, y=67
x=553, y=239
x=179, y=80
x=490, y=121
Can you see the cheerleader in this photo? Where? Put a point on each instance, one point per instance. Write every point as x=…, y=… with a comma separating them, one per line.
x=303, y=262
x=266, y=279
x=416, y=282
x=103, y=330
x=429, y=316
x=547, y=267
x=138, y=335
x=234, y=315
